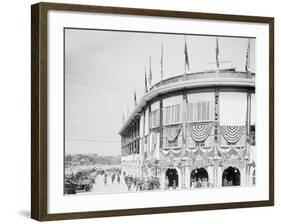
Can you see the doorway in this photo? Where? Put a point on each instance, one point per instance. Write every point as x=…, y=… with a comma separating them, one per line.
x=172, y=177
x=199, y=178
x=231, y=177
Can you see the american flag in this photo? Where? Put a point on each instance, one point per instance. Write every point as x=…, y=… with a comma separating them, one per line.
x=150, y=72
x=217, y=53
x=247, y=65
x=145, y=81
x=135, y=97
x=186, y=60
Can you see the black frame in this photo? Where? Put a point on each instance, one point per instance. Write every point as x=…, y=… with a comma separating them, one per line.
x=39, y=110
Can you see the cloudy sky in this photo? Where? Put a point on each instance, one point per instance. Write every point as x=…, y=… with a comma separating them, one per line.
x=102, y=69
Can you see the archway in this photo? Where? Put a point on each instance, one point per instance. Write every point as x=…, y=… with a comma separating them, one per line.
x=199, y=178
x=172, y=177
x=231, y=177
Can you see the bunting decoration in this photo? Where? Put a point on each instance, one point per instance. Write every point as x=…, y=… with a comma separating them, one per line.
x=232, y=134
x=175, y=150
x=172, y=132
x=226, y=152
x=186, y=60
x=199, y=132
x=167, y=151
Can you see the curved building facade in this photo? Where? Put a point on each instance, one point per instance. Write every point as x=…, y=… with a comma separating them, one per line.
x=194, y=130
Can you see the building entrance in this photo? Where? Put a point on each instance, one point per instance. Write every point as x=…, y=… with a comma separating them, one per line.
x=172, y=177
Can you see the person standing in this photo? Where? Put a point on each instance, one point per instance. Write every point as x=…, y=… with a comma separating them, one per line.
x=105, y=179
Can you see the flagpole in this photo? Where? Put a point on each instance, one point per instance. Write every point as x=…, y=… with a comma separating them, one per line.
x=150, y=72
x=145, y=81
x=135, y=97
x=161, y=62
x=249, y=64
x=186, y=60
x=185, y=53
x=217, y=53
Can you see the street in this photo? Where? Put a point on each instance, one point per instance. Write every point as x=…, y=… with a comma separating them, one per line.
x=109, y=187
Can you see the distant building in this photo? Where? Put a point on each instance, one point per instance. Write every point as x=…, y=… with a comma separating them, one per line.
x=195, y=129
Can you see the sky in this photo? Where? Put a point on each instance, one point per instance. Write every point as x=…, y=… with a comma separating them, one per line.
x=104, y=68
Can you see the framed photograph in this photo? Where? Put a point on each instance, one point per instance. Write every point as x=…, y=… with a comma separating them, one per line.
x=141, y=111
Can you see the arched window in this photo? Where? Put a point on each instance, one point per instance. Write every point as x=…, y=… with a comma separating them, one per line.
x=231, y=177
x=172, y=177
x=199, y=178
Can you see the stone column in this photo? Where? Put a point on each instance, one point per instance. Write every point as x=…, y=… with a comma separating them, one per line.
x=183, y=177
x=187, y=177
x=162, y=178
x=243, y=171
x=220, y=170
x=210, y=170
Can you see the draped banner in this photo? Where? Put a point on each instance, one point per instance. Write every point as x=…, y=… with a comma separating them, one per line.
x=172, y=132
x=199, y=132
x=166, y=151
x=175, y=150
x=232, y=134
x=227, y=152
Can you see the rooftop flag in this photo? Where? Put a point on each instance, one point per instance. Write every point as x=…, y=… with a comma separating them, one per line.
x=145, y=81
x=217, y=53
x=135, y=97
x=186, y=60
x=247, y=65
x=161, y=62
x=150, y=72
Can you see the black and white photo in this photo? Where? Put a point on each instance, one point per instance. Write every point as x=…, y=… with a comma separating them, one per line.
x=148, y=111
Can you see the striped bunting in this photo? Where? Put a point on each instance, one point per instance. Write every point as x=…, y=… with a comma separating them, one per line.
x=172, y=133
x=167, y=151
x=229, y=151
x=232, y=134
x=199, y=132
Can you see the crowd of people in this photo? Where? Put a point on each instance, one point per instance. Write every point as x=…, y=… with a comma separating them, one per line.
x=135, y=183
x=200, y=182
x=113, y=175
x=141, y=183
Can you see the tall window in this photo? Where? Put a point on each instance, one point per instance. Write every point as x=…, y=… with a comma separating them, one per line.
x=171, y=114
x=200, y=111
x=155, y=118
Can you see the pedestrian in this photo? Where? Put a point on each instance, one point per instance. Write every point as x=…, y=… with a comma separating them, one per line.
x=129, y=184
x=112, y=178
x=105, y=179
x=174, y=184
x=118, y=178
